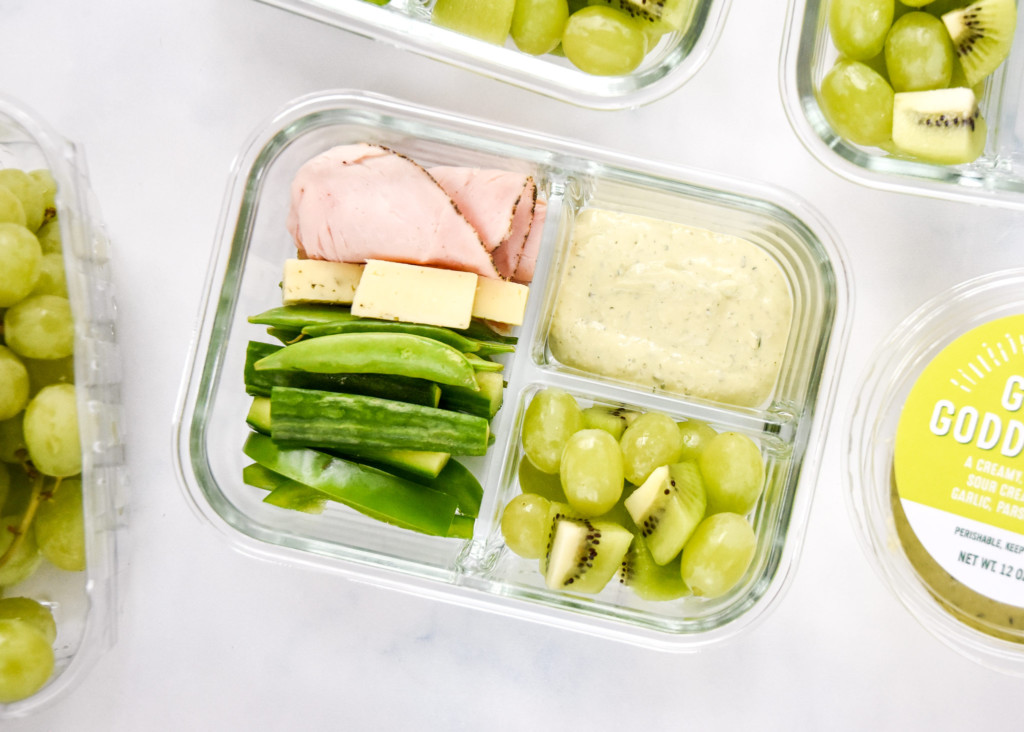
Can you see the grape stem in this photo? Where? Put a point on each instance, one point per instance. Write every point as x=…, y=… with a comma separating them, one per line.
x=38, y=494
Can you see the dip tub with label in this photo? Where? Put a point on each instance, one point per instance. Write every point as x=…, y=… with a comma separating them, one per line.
x=786, y=419
x=935, y=467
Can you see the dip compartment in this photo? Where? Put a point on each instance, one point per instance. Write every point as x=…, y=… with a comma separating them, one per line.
x=84, y=604
x=923, y=546
x=243, y=276
x=995, y=178
x=406, y=24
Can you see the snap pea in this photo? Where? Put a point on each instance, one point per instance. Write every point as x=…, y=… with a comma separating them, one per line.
x=297, y=317
x=368, y=325
x=484, y=364
x=401, y=354
x=374, y=492
x=399, y=388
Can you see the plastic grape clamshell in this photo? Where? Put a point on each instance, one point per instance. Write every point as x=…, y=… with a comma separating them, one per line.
x=996, y=178
x=406, y=24
x=85, y=604
x=243, y=278
x=934, y=467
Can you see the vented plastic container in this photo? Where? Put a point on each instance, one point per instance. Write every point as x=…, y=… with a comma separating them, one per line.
x=84, y=604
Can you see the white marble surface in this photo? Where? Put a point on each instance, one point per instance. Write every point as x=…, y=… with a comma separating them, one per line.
x=161, y=95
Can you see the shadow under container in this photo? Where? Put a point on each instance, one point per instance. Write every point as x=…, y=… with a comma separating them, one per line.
x=406, y=24
x=996, y=178
x=85, y=605
x=934, y=467
x=481, y=572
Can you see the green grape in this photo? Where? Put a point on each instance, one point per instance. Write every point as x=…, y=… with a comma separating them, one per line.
x=51, y=431
x=45, y=371
x=651, y=441
x=40, y=326
x=14, y=384
x=11, y=210
x=32, y=612
x=603, y=41
x=524, y=525
x=51, y=276
x=551, y=419
x=534, y=480
x=695, y=434
x=29, y=192
x=916, y=3
x=858, y=27
x=488, y=20
x=26, y=660
x=21, y=256
x=5, y=484
x=717, y=554
x=24, y=560
x=591, y=472
x=733, y=472
x=48, y=188
x=49, y=237
x=60, y=528
x=537, y=25
x=857, y=102
x=919, y=53
x=12, y=440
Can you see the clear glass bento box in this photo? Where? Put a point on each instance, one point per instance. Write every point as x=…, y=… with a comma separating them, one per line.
x=934, y=463
x=674, y=59
x=84, y=604
x=996, y=177
x=787, y=424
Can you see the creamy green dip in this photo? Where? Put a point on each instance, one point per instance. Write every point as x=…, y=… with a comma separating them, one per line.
x=671, y=307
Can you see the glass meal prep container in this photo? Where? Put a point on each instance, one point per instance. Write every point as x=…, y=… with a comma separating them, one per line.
x=85, y=603
x=788, y=425
x=406, y=24
x=934, y=464
x=996, y=177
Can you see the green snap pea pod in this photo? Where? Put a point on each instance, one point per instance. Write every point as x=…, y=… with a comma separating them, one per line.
x=297, y=317
x=399, y=388
x=457, y=481
x=484, y=364
x=284, y=492
x=369, y=325
x=401, y=354
x=374, y=492
x=339, y=421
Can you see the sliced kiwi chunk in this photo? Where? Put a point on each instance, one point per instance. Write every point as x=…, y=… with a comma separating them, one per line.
x=648, y=579
x=668, y=507
x=612, y=420
x=585, y=554
x=982, y=34
x=941, y=126
x=660, y=16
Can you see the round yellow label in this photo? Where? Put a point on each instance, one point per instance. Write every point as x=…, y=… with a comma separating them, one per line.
x=959, y=459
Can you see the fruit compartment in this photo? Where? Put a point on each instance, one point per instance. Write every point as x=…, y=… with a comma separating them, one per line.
x=85, y=604
x=406, y=24
x=243, y=277
x=996, y=177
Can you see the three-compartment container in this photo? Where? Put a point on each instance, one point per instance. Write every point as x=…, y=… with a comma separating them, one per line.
x=672, y=61
x=788, y=425
x=996, y=177
x=84, y=603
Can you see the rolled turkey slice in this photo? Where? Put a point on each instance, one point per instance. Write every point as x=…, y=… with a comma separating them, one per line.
x=358, y=202
x=527, y=261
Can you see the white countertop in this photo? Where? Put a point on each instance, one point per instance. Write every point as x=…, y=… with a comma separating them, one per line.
x=161, y=95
